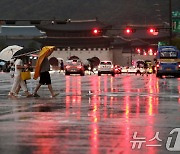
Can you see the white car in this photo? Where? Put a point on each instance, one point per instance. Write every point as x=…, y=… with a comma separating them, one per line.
x=106, y=67
x=124, y=69
x=132, y=69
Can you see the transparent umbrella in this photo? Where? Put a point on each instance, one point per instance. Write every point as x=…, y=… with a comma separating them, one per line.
x=7, y=53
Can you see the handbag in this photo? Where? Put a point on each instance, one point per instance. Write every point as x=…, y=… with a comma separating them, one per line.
x=25, y=75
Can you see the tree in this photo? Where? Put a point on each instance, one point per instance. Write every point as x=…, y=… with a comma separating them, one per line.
x=176, y=42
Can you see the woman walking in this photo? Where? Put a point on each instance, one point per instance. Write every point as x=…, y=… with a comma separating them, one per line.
x=18, y=82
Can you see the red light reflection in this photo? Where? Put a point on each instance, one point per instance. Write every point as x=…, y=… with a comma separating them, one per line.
x=73, y=94
x=94, y=126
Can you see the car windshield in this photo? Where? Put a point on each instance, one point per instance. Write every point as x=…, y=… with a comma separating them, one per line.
x=74, y=63
x=106, y=63
x=168, y=54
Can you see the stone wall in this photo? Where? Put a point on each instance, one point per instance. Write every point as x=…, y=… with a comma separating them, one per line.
x=83, y=54
x=117, y=56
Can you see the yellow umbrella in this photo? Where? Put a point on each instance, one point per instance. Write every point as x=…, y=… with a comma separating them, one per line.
x=45, y=52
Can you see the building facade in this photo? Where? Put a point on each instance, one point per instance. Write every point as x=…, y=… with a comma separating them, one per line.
x=19, y=35
x=85, y=39
x=81, y=38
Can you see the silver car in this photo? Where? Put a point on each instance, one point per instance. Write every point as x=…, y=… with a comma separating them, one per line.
x=106, y=67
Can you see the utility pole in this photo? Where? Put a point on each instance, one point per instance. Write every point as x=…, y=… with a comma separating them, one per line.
x=170, y=22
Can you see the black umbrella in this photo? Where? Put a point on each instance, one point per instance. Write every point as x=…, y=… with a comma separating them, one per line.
x=24, y=52
x=73, y=57
x=94, y=61
x=53, y=61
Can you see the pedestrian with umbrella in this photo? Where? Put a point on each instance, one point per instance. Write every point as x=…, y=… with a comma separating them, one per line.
x=18, y=82
x=42, y=69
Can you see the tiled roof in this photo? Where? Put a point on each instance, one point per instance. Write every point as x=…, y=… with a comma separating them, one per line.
x=30, y=31
x=74, y=25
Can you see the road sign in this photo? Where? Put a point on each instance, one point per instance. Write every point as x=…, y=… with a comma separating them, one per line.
x=162, y=43
x=176, y=21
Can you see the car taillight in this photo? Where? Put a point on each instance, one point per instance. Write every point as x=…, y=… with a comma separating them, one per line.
x=157, y=65
x=179, y=64
x=79, y=67
x=67, y=67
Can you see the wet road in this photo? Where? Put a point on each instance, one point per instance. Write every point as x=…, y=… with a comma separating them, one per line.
x=92, y=115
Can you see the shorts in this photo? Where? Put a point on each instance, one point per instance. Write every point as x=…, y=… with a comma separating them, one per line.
x=45, y=78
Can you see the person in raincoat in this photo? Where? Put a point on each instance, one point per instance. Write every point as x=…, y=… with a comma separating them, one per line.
x=42, y=69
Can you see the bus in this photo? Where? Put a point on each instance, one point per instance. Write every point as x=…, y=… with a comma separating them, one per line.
x=168, y=61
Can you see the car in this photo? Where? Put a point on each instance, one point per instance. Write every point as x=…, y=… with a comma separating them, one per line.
x=117, y=69
x=140, y=70
x=132, y=69
x=149, y=68
x=74, y=67
x=124, y=69
x=106, y=67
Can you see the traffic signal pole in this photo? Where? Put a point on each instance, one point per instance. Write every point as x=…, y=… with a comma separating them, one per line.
x=170, y=22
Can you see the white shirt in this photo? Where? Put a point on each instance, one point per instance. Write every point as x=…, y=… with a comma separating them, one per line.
x=12, y=69
x=18, y=71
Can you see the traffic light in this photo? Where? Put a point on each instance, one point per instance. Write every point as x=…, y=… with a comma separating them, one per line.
x=153, y=30
x=96, y=31
x=129, y=30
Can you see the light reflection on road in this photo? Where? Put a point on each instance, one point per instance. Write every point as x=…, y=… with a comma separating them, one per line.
x=96, y=115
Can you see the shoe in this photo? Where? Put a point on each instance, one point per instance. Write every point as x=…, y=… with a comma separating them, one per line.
x=29, y=95
x=11, y=94
x=17, y=95
x=54, y=95
x=36, y=95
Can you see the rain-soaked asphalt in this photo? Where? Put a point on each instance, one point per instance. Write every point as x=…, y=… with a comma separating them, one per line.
x=92, y=115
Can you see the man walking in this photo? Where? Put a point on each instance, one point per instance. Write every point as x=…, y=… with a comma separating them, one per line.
x=45, y=78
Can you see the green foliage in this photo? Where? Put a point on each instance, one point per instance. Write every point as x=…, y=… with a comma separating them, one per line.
x=176, y=42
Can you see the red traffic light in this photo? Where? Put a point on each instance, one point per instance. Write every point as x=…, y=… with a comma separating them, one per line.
x=96, y=31
x=129, y=30
x=153, y=31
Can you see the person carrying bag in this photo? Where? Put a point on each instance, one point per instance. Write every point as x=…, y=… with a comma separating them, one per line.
x=18, y=82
